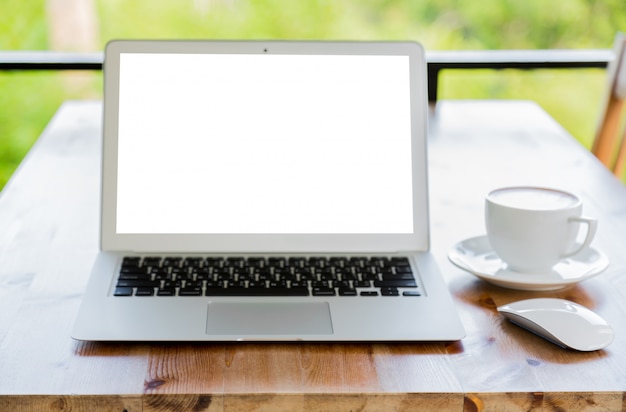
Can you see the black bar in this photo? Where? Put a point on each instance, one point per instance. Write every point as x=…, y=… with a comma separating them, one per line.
x=436, y=60
x=433, y=82
x=50, y=60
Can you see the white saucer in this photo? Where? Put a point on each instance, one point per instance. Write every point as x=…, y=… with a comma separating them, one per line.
x=476, y=256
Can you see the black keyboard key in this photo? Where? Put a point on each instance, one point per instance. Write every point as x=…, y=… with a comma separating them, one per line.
x=347, y=275
x=214, y=262
x=143, y=291
x=338, y=262
x=281, y=274
x=379, y=262
x=343, y=284
x=292, y=291
x=304, y=276
x=319, y=284
x=298, y=262
x=370, y=276
x=369, y=293
x=180, y=273
x=238, y=262
x=395, y=284
x=224, y=275
x=323, y=292
x=190, y=292
x=257, y=262
x=347, y=292
x=277, y=262
x=256, y=292
x=161, y=273
x=403, y=269
x=411, y=293
x=357, y=262
x=257, y=284
x=134, y=276
x=133, y=269
x=192, y=262
x=327, y=275
x=279, y=284
x=214, y=283
x=318, y=262
x=129, y=262
x=166, y=292
x=389, y=292
x=203, y=274
x=236, y=284
x=137, y=283
x=193, y=284
x=172, y=261
x=152, y=261
x=399, y=276
x=172, y=284
x=299, y=284
x=123, y=292
x=362, y=283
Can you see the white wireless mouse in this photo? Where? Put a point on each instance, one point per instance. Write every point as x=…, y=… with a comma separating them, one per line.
x=560, y=321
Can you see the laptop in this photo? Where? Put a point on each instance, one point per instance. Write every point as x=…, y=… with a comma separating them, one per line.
x=265, y=190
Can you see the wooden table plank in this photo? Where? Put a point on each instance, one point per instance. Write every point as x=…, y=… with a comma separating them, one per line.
x=52, y=403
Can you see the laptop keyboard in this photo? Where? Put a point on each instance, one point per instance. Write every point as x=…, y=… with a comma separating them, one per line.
x=273, y=276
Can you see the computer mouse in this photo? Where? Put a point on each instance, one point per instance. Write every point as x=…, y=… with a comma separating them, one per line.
x=560, y=321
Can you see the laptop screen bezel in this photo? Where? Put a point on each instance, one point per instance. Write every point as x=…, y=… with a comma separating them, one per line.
x=418, y=240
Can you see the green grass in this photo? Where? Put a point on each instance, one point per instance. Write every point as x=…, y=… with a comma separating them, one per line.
x=28, y=100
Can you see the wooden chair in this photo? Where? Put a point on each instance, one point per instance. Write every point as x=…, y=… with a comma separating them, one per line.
x=608, y=145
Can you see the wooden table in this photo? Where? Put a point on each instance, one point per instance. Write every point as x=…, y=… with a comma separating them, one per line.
x=49, y=237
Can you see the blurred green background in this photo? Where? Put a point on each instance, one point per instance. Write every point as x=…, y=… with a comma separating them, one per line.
x=29, y=99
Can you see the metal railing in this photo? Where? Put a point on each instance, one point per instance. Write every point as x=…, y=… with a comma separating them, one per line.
x=437, y=61
x=511, y=59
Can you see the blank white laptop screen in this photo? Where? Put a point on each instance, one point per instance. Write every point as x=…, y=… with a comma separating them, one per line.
x=264, y=144
x=260, y=149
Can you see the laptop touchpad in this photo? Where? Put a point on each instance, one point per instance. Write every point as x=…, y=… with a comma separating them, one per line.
x=268, y=318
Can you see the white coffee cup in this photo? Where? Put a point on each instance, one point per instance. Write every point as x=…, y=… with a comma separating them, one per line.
x=533, y=228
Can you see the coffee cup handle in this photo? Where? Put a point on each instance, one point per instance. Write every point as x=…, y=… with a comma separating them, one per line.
x=592, y=225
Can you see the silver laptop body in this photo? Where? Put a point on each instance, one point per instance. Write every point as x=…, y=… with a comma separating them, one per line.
x=228, y=164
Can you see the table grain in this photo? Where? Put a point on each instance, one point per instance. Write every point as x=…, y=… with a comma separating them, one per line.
x=49, y=215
